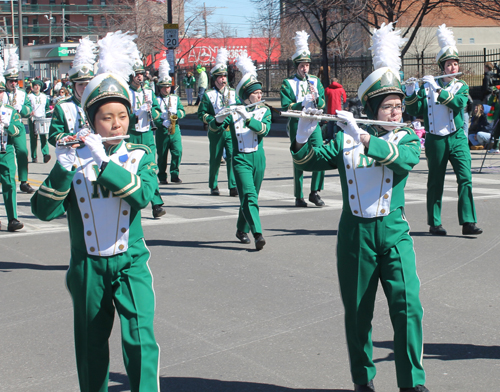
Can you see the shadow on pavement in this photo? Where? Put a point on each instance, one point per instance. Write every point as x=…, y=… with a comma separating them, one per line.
x=9, y=265
x=191, y=384
x=197, y=244
x=427, y=234
x=302, y=232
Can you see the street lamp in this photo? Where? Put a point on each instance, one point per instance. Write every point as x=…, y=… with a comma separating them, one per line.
x=50, y=18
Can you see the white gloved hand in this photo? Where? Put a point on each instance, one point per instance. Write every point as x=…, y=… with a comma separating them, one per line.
x=349, y=126
x=18, y=107
x=308, y=101
x=241, y=110
x=144, y=107
x=172, y=111
x=166, y=123
x=431, y=82
x=411, y=88
x=82, y=133
x=307, y=125
x=66, y=156
x=165, y=116
x=221, y=116
x=94, y=144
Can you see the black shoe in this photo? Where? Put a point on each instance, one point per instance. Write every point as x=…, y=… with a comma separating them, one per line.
x=222, y=161
x=315, y=199
x=215, y=191
x=471, y=229
x=437, y=230
x=233, y=192
x=46, y=158
x=14, y=225
x=365, y=387
x=158, y=211
x=164, y=182
x=176, y=180
x=243, y=237
x=34, y=160
x=418, y=388
x=259, y=241
x=299, y=202
x=25, y=187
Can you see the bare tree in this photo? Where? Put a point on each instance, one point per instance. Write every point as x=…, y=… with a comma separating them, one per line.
x=265, y=26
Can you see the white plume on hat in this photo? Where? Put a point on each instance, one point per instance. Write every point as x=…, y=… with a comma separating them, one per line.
x=386, y=48
x=2, y=68
x=222, y=56
x=164, y=70
x=84, y=53
x=301, y=44
x=13, y=62
x=445, y=37
x=246, y=65
x=117, y=54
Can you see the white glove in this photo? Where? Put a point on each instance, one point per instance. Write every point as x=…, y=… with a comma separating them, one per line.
x=243, y=112
x=165, y=116
x=172, y=111
x=431, y=82
x=308, y=101
x=411, y=88
x=18, y=107
x=221, y=116
x=144, y=107
x=349, y=126
x=94, y=143
x=66, y=156
x=82, y=133
x=166, y=123
x=306, y=125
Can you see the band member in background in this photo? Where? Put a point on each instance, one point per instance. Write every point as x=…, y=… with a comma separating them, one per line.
x=215, y=100
x=304, y=90
x=248, y=128
x=40, y=103
x=168, y=134
x=12, y=128
x=373, y=241
x=102, y=187
x=145, y=111
x=441, y=103
x=17, y=98
x=189, y=82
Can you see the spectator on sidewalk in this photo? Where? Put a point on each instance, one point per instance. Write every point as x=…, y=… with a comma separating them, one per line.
x=335, y=98
x=479, y=134
x=202, y=83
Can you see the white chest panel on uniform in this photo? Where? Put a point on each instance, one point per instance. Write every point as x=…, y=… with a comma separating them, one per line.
x=73, y=115
x=106, y=218
x=369, y=182
x=220, y=101
x=300, y=87
x=6, y=114
x=168, y=104
x=247, y=139
x=139, y=98
x=14, y=99
x=38, y=104
x=440, y=117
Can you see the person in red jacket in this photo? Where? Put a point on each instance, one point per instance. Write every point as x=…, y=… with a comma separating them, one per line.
x=335, y=98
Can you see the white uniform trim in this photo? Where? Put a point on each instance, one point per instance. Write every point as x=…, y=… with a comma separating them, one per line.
x=247, y=139
x=300, y=87
x=73, y=115
x=163, y=103
x=20, y=97
x=38, y=104
x=138, y=98
x=440, y=117
x=216, y=99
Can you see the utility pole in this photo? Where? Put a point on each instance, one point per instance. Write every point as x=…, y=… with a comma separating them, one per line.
x=205, y=19
x=12, y=20
x=63, y=25
x=50, y=27
x=20, y=17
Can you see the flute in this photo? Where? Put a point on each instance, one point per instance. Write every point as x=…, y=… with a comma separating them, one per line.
x=104, y=139
x=413, y=80
x=330, y=117
x=226, y=111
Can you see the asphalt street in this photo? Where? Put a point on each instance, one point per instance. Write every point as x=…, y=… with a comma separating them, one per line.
x=230, y=319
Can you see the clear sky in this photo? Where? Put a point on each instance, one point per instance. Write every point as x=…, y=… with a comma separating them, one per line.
x=233, y=12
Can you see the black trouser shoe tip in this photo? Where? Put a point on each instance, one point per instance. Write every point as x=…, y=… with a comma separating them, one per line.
x=215, y=191
x=365, y=387
x=26, y=187
x=471, y=229
x=259, y=242
x=158, y=211
x=243, y=237
x=437, y=230
x=233, y=192
x=299, y=202
x=316, y=199
x=176, y=180
x=14, y=225
x=418, y=388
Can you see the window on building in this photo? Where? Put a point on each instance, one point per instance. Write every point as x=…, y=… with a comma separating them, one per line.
x=16, y=21
x=472, y=41
x=90, y=1
x=32, y=2
x=459, y=40
x=25, y=41
x=25, y=21
x=104, y=23
x=52, y=1
x=103, y=2
x=91, y=21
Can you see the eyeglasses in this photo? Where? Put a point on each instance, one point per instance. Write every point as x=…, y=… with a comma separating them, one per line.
x=390, y=108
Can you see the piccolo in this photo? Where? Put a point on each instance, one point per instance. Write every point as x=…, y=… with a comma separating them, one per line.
x=225, y=112
x=413, y=80
x=330, y=117
x=104, y=139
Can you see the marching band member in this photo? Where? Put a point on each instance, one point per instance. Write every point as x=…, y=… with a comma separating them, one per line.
x=40, y=103
x=441, y=104
x=145, y=110
x=304, y=90
x=68, y=117
x=12, y=128
x=248, y=127
x=219, y=97
x=373, y=237
x=102, y=188
x=17, y=98
x=168, y=135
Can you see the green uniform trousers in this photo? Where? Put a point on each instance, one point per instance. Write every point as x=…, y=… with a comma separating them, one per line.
x=318, y=177
x=34, y=141
x=369, y=251
x=148, y=139
x=218, y=141
x=439, y=150
x=98, y=286
x=249, y=174
x=8, y=179
x=165, y=143
x=21, y=149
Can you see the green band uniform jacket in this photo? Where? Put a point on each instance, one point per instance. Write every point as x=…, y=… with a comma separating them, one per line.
x=68, y=118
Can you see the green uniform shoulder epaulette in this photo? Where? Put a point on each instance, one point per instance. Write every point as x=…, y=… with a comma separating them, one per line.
x=9, y=107
x=408, y=129
x=133, y=146
x=62, y=100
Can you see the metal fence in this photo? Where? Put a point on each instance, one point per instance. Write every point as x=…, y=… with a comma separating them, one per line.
x=352, y=71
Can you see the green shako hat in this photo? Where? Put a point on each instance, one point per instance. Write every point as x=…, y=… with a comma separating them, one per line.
x=117, y=54
x=138, y=65
x=248, y=83
x=385, y=80
x=164, y=79
x=220, y=63
x=37, y=81
x=83, y=64
x=448, y=46
x=302, y=53
x=12, y=69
